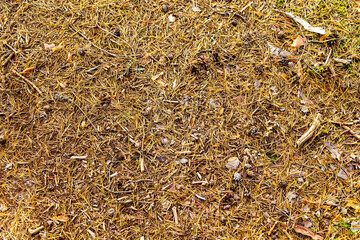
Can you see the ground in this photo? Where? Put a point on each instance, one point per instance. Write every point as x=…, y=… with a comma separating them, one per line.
x=179, y=119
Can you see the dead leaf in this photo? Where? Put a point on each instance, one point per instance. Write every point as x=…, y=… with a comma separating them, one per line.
x=278, y=52
x=57, y=48
x=343, y=175
x=69, y=58
x=61, y=218
x=343, y=61
x=355, y=226
x=353, y=204
x=28, y=70
x=49, y=46
x=307, y=232
x=298, y=42
x=84, y=124
x=305, y=24
x=333, y=149
x=233, y=163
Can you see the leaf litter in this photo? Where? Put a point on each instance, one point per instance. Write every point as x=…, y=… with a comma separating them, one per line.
x=194, y=117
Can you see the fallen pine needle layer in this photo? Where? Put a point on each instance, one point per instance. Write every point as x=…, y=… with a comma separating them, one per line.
x=179, y=119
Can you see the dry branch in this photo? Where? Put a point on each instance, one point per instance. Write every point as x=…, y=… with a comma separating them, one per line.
x=308, y=134
x=28, y=81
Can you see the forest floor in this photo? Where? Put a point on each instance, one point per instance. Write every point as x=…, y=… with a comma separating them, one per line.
x=179, y=119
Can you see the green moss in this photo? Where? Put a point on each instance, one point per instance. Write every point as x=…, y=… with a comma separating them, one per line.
x=280, y=3
x=272, y=155
x=339, y=7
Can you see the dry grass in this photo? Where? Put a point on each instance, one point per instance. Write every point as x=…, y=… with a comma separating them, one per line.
x=149, y=92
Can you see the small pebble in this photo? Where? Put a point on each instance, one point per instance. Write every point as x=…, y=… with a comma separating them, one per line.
x=165, y=8
x=111, y=212
x=81, y=52
x=308, y=224
x=247, y=166
x=283, y=184
x=170, y=56
x=237, y=176
x=196, y=9
x=172, y=18
x=184, y=160
x=234, y=22
x=8, y=166
x=300, y=180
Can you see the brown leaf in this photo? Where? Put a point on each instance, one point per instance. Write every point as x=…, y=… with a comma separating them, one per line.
x=61, y=218
x=298, y=42
x=307, y=232
x=28, y=70
x=69, y=57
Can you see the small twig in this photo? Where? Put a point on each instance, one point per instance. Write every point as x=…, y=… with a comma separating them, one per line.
x=27, y=81
x=175, y=215
x=345, y=123
x=357, y=136
x=12, y=49
x=8, y=59
x=328, y=57
x=116, y=192
x=310, y=131
x=142, y=180
x=36, y=230
x=272, y=228
x=248, y=5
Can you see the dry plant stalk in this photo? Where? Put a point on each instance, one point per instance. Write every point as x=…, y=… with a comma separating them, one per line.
x=142, y=168
x=27, y=81
x=357, y=136
x=175, y=216
x=36, y=230
x=310, y=131
x=6, y=61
